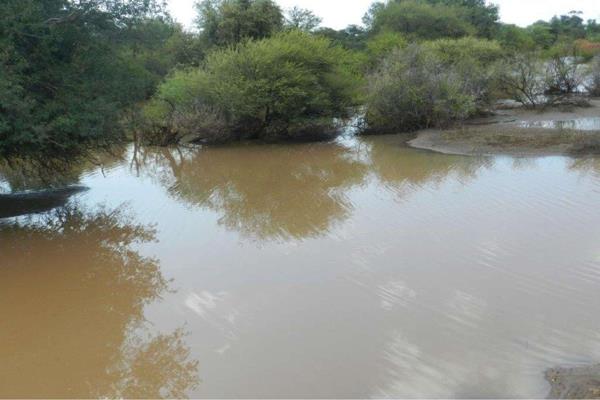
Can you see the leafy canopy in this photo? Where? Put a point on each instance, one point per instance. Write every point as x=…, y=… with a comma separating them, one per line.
x=228, y=22
x=291, y=85
x=68, y=70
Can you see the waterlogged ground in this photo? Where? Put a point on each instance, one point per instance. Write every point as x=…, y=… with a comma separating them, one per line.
x=352, y=269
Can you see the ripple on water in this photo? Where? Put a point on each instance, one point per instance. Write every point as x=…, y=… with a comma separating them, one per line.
x=343, y=269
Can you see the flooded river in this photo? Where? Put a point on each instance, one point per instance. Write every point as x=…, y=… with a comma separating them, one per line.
x=358, y=268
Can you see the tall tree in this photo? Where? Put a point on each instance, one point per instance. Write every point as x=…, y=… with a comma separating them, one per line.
x=420, y=19
x=303, y=19
x=227, y=22
x=426, y=19
x=63, y=76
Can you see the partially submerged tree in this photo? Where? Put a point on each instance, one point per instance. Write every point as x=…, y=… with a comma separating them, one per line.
x=522, y=77
x=433, y=84
x=289, y=86
x=564, y=72
x=564, y=76
x=412, y=89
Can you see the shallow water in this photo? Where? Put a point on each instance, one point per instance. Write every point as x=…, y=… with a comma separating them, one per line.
x=351, y=269
x=581, y=124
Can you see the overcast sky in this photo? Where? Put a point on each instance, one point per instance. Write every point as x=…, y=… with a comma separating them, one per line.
x=340, y=13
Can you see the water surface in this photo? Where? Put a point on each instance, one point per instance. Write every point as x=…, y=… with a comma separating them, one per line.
x=357, y=268
x=579, y=124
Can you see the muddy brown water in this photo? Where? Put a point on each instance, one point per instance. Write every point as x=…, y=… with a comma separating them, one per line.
x=352, y=269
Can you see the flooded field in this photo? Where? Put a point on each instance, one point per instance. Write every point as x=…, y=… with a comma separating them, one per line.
x=358, y=268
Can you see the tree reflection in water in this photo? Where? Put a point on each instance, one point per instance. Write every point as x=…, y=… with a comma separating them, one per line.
x=586, y=165
x=400, y=168
x=266, y=192
x=72, y=297
x=17, y=175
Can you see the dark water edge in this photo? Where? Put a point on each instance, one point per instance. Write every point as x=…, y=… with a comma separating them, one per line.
x=19, y=204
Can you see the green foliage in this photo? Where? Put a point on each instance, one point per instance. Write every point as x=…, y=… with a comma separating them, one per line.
x=542, y=35
x=419, y=19
x=522, y=78
x=564, y=75
x=431, y=84
x=483, y=16
x=158, y=46
x=384, y=43
x=228, y=22
x=515, y=38
x=289, y=86
x=563, y=29
x=69, y=70
x=468, y=50
x=352, y=38
x=302, y=19
x=571, y=26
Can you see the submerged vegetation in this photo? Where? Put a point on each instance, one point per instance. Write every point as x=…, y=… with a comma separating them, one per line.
x=78, y=74
x=431, y=84
x=289, y=86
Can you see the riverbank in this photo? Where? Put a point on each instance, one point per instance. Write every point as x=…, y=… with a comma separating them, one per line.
x=521, y=132
x=574, y=383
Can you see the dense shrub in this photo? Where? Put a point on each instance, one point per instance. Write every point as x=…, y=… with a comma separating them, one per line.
x=421, y=20
x=228, y=22
x=474, y=60
x=564, y=69
x=432, y=84
x=588, y=49
x=70, y=70
x=480, y=52
x=382, y=44
x=290, y=86
x=412, y=89
x=564, y=76
x=523, y=78
x=515, y=38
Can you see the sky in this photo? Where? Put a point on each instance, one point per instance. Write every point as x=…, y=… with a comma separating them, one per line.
x=341, y=13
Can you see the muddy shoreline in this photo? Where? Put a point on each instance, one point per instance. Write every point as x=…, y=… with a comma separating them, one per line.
x=520, y=132
x=574, y=383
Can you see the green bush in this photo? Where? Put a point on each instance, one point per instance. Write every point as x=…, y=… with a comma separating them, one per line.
x=382, y=44
x=228, y=22
x=290, y=86
x=432, y=84
x=522, y=77
x=421, y=20
x=515, y=38
x=474, y=60
x=71, y=70
x=481, y=52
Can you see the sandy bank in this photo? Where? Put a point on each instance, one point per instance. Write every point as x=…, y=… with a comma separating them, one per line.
x=574, y=383
x=520, y=132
